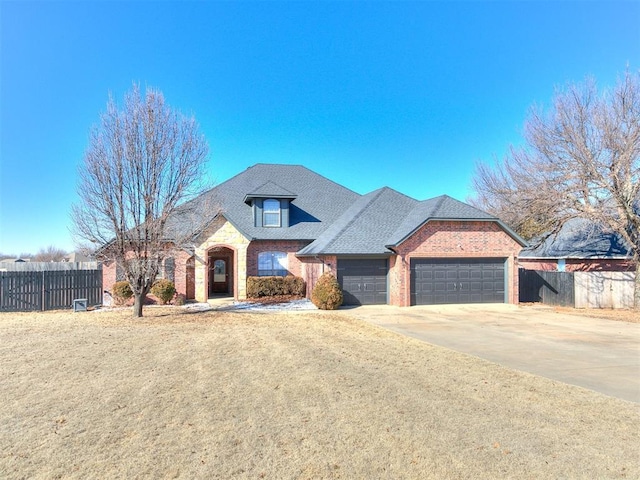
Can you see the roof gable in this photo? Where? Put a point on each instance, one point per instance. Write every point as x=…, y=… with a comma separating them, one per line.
x=443, y=208
x=363, y=228
x=269, y=190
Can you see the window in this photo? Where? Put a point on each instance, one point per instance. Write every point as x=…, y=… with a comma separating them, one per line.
x=169, y=272
x=272, y=264
x=271, y=213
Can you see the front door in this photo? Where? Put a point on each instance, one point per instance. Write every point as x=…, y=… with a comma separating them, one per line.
x=219, y=276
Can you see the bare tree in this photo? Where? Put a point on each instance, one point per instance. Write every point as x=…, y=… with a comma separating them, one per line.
x=580, y=160
x=142, y=164
x=50, y=254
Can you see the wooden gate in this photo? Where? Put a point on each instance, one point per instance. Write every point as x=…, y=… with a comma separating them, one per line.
x=550, y=288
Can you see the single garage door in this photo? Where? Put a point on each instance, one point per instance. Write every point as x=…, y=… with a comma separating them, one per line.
x=457, y=280
x=363, y=281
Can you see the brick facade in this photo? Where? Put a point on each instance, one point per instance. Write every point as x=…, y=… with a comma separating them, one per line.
x=290, y=247
x=108, y=275
x=184, y=277
x=313, y=267
x=183, y=274
x=452, y=239
x=435, y=239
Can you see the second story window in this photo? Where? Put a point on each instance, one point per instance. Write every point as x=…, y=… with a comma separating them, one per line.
x=271, y=213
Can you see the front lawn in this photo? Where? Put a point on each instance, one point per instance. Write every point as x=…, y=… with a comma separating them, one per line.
x=284, y=395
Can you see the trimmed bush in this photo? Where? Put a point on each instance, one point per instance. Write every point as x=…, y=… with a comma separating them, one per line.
x=327, y=294
x=164, y=290
x=180, y=300
x=294, y=286
x=258, y=287
x=121, y=292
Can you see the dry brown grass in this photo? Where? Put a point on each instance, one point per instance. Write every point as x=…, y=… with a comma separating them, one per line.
x=285, y=395
x=620, y=315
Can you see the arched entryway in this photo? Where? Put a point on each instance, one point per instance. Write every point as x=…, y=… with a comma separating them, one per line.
x=220, y=272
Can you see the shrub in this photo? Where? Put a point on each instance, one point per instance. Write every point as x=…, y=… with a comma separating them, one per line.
x=294, y=286
x=180, y=300
x=164, y=290
x=327, y=294
x=121, y=292
x=258, y=287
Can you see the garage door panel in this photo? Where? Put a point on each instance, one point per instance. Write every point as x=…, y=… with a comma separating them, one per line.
x=479, y=280
x=363, y=281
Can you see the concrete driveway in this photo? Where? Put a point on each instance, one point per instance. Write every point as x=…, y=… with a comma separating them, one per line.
x=601, y=355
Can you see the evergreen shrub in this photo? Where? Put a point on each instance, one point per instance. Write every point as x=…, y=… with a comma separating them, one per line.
x=164, y=290
x=327, y=294
x=258, y=287
x=121, y=292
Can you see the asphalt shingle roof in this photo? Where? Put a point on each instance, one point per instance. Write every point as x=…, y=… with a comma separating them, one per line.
x=270, y=190
x=335, y=219
x=364, y=227
x=579, y=238
x=319, y=201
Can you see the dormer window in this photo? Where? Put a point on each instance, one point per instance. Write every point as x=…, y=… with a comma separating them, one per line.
x=270, y=205
x=271, y=213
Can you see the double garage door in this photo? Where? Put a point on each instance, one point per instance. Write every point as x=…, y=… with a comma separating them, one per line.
x=463, y=280
x=433, y=281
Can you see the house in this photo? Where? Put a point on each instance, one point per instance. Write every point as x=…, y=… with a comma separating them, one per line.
x=580, y=245
x=384, y=247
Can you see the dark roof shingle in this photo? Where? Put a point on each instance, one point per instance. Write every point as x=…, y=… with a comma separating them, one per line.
x=579, y=238
x=335, y=219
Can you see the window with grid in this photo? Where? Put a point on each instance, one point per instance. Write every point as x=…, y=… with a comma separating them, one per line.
x=271, y=213
x=272, y=264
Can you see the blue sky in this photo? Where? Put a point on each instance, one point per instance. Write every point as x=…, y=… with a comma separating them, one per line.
x=404, y=94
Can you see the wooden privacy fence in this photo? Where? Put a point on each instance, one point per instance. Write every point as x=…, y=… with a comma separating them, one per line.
x=48, y=290
x=604, y=289
x=550, y=288
x=578, y=289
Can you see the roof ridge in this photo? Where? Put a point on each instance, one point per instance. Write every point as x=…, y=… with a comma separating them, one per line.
x=439, y=203
x=278, y=164
x=272, y=182
x=355, y=216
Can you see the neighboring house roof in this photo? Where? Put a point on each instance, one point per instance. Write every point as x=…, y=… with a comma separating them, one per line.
x=334, y=219
x=580, y=239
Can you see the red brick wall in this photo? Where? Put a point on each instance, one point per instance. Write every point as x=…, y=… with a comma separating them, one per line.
x=108, y=275
x=438, y=239
x=312, y=268
x=184, y=274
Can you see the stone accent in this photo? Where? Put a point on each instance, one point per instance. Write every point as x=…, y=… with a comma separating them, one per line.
x=222, y=234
